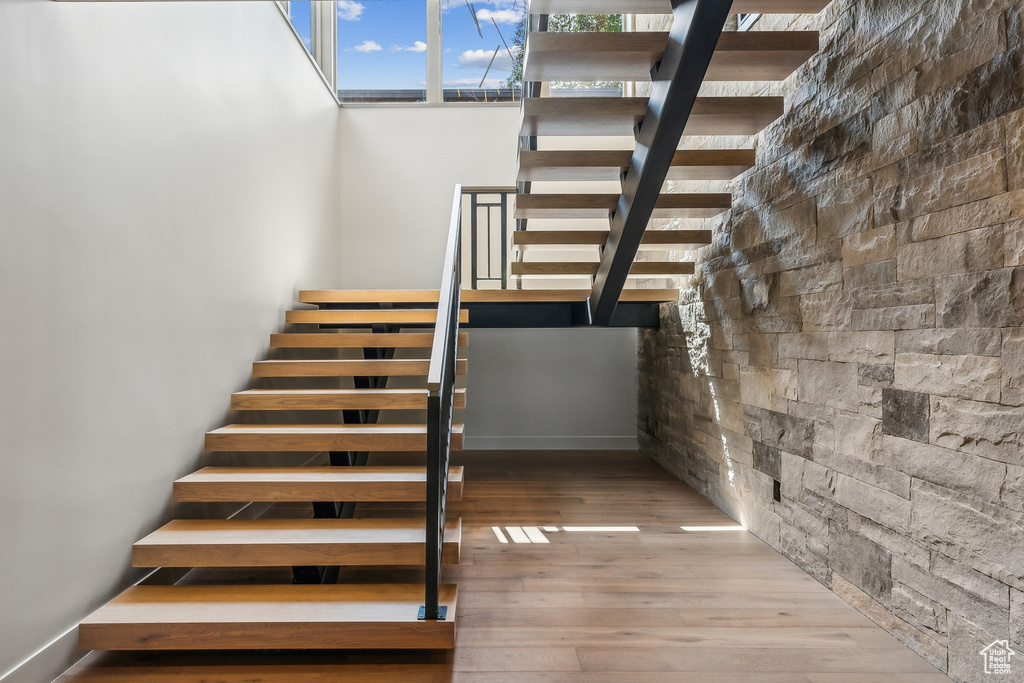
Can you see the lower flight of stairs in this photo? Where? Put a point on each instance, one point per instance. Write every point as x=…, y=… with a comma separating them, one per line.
x=334, y=364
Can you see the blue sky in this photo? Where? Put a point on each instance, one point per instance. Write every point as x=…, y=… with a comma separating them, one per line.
x=382, y=43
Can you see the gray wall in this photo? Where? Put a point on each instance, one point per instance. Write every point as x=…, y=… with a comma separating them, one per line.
x=168, y=179
x=551, y=388
x=855, y=330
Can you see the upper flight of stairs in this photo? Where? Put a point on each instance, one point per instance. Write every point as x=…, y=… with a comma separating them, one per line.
x=548, y=158
x=338, y=530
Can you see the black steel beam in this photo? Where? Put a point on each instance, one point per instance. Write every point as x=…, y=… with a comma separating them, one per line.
x=696, y=27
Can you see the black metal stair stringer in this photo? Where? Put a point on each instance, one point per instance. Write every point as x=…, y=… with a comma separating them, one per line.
x=696, y=27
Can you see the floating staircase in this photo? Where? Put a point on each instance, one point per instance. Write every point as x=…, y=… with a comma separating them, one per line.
x=334, y=528
x=675, y=63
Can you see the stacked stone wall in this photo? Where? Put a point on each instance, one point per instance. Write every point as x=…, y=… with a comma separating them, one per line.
x=854, y=332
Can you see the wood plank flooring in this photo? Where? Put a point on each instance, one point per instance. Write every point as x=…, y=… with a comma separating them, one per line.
x=654, y=605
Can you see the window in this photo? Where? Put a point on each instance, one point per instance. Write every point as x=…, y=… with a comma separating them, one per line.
x=480, y=43
x=299, y=14
x=382, y=50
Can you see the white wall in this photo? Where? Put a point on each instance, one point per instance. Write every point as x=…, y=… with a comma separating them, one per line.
x=568, y=388
x=168, y=179
x=399, y=168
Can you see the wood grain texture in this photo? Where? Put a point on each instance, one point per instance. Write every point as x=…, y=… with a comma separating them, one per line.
x=665, y=6
x=262, y=617
x=630, y=55
x=555, y=295
x=594, y=205
x=346, y=368
x=522, y=238
x=304, y=484
x=699, y=164
x=291, y=542
x=618, y=115
x=315, y=438
x=356, y=340
x=651, y=268
x=337, y=399
x=709, y=599
x=401, y=316
x=368, y=296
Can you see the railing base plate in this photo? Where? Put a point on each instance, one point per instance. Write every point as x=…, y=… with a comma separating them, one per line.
x=442, y=613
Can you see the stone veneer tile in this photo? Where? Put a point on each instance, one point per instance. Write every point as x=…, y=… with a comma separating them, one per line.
x=966, y=641
x=977, y=477
x=974, y=179
x=809, y=345
x=1013, y=367
x=917, y=640
x=962, y=252
x=974, y=341
x=862, y=347
x=991, y=299
x=1017, y=616
x=828, y=384
x=894, y=318
x=878, y=505
x=869, y=274
x=969, y=377
x=905, y=414
x=880, y=376
x=869, y=246
x=948, y=521
x=956, y=598
x=768, y=460
x=860, y=561
x=1013, y=244
x=982, y=429
x=996, y=210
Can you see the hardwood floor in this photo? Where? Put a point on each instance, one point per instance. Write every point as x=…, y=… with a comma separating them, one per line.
x=653, y=605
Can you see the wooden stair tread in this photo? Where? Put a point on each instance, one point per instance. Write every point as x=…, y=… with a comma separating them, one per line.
x=629, y=55
x=269, y=617
x=523, y=238
x=369, y=296
x=665, y=6
x=471, y=296
x=352, y=317
x=393, y=367
x=639, y=268
x=564, y=295
x=700, y=164
x=336, y=399
x=291, y=542
x=304, y=484
x=619, y=115
x=314, y=438
x=356, y=340
x=594, y=205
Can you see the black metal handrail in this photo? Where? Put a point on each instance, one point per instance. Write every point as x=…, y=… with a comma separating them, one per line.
x=440, y=399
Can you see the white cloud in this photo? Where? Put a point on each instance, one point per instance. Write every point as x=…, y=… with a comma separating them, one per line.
x=367, y=46
x=349, y=10
x=417, y=46
x=473, y=59
x=501, y=16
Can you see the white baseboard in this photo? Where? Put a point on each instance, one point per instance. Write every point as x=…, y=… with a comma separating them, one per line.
x=49, y=662
x=53, y=659
x=550, y=443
